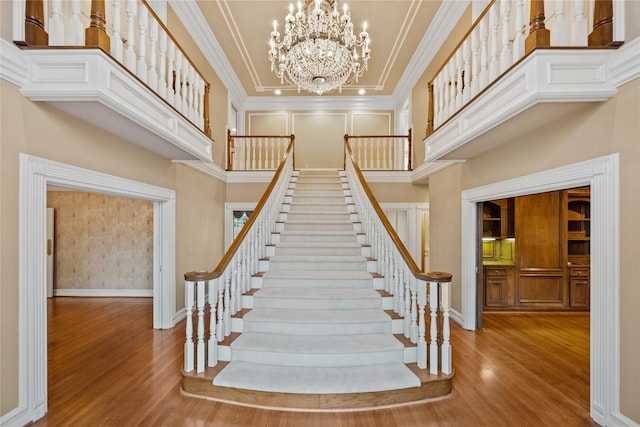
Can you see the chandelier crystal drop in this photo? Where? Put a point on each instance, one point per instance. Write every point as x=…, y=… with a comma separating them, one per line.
x=318, y=51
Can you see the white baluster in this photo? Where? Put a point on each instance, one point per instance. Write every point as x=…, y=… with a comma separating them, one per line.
x=233, y=291
x=414, y=316
x=190, y=94
x=445, y=292
x=466, y=59
x=260, y=150
x=56, y=24
x=227, y=301
x=475, y=62
x=253, y=153
x=453, y=90
x=212, y=350
x=75, y=29
x=422, y=343
x=201, y=85
x=519, y=36
x=378, y=144
x=506, y=56
x=188, y=345
x=560, y=29
x=407, y=313
x=494, y=23
x=398, y=297
x=161, y=85
x=116, y=35
x=129, y=54
x=580, y=31
x=459, y=79
x=195, y=107
x=220, y=326
x=200, y=288
x=184, y=81
x=171, y=58
x=152, y=75
x=177, y=100
x=484, y=53
x=433, y=347
x=446, y=92
x=141, y=65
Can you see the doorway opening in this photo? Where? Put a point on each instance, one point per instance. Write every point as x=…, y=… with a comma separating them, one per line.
x=36, y=174
x=602, y=175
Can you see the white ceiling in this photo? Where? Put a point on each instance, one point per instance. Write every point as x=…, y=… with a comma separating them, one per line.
x=243, y=27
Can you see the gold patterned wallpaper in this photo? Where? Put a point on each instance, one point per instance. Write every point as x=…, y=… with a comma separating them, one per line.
x=102, y=242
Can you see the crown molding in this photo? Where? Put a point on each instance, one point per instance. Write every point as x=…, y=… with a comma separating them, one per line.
x=13, y=66
x=625, y=65
x=210, y=169
x=199, y=30
x=297, y=103
x=439, y=30
x=422, y=172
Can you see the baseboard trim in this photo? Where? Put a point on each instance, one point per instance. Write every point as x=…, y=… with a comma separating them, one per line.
x=131, y=293
x=17, y=417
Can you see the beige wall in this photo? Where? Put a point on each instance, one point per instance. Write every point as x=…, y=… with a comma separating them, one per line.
x=319, y=134
x=400, y=193
x=420, y=92
x=102, y=242
x=594, y=130
x=60, y=137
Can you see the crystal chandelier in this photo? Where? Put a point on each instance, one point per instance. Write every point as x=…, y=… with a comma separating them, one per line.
x=319, y=51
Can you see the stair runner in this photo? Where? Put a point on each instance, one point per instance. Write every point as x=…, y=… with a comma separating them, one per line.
x=317, y=325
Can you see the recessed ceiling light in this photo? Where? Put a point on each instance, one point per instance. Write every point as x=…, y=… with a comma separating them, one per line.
x=277, y=91
x=362, y=91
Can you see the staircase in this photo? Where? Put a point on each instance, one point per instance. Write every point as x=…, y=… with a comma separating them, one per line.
x=317, y=330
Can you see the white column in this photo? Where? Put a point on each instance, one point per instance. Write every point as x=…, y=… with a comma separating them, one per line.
x=188, y=345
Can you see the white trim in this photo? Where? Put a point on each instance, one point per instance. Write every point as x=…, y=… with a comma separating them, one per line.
x=404, y=177
x=422, y=172
x=35, y=174
x=316, y=103
x=13, y=66
x=210, y=169
x=127, y=293
x=19, y=9
x=602, y=174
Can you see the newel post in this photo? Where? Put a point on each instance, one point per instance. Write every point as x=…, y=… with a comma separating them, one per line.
x=410, y=165
x=207, y=123
x=34, y=32
x=602, y=34
x=230, y=150
x=430, y=111
x=539, y=36
x=96, y=34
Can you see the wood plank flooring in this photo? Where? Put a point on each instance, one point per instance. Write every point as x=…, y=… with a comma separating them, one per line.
x=108, y=367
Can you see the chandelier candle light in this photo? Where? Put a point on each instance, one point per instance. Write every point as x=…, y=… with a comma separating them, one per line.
x=319, y=51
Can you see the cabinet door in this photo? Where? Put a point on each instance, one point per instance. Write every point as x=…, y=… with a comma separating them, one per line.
x=496, y=292
x=579, y=292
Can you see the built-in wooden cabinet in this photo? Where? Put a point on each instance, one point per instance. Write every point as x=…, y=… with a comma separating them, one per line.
x=549, y=268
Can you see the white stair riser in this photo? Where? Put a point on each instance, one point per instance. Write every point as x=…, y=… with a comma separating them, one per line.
x=318, y=226
x=317, y=328
x=337, y=236
x=315, y=199
x=319, y=251
x=317, y=303
x=340, y=207
x=317, y=360
x=317, y=216
x=275, y=265
x=314, y=283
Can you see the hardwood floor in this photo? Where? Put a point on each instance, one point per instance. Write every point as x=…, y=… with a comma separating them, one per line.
x=108, y=367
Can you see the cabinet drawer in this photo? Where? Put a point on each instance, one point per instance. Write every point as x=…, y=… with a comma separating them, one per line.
x=579, y=272
x=496, y=271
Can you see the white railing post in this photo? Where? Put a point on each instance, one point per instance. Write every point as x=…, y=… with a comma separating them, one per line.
x=445, y=292
x=129, y=53
x=75, y=29
x=506, y=56
x=56, y=24
x=433, y=346
x=212, y=348
x=421, y=289
x=200, y=359
x=519, y=36
x=188, y=345
x=141, y=65
x=152, y=74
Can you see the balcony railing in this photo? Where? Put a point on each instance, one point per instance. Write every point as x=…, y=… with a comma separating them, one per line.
x=256, y=152
x=66, y=41
x=502, y=37
x=381, y=152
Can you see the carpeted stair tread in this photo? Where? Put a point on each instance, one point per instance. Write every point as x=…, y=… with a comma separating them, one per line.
x=317, y=345
x=314, y=380
x=317, y=316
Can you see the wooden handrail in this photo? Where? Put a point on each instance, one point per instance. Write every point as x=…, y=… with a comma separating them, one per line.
x=194, y=276
x=433, y=276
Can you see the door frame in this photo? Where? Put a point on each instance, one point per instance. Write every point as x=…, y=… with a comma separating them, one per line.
x=602, y=174
x=35, y=175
